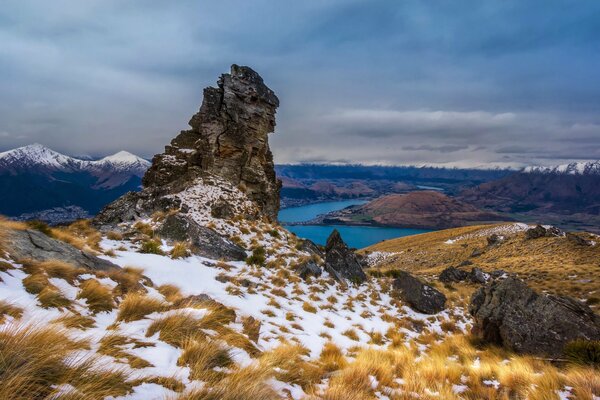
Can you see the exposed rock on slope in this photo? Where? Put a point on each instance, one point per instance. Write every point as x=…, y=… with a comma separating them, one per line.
x=342, y=260
x=418, y=295
x=509, y=313
x=228, y=139
x=204, y=241
x=424, y=209
x=34, y=245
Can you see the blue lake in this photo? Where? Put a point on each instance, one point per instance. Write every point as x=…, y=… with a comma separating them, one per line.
x=354, y=236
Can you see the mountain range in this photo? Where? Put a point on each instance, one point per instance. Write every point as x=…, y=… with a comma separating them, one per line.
x=35, y=179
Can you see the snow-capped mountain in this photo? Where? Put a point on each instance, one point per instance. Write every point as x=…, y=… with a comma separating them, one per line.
x=574, y=168
x=42, y=159
x=35, y=178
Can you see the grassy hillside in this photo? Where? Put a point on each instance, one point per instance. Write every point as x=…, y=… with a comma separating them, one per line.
x=553, y=264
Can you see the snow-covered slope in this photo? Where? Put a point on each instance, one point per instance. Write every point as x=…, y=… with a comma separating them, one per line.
x=575, y=168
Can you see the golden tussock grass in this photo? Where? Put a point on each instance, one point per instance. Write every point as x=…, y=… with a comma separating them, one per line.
x=128, y=280
x=75, y=321
x=136, y=306
x=35, y=282
x=171, y=292
x=52, y=297
x=35, y=361
x=289, y=364
x=248, y=383
x=180, y=250
x=80, y=234
x=112, y=345
x=177, y=328
x=98, y=297
x=202, y=357
x=10, y=309
x=332, y=358
x=114, y=235
x=309, y=308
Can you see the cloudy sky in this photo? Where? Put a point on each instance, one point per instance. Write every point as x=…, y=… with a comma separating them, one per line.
x=386, y=82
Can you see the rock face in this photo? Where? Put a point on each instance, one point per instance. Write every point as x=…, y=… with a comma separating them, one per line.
x=509, y=313
x=34, y=245
x=342, y=260
x=419, y=296
x=228, y=139
x=204, y=241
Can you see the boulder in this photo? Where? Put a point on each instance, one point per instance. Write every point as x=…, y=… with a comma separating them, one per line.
x=577, y=240
x=418, y=295
x=311, y=247
x=509, y=313
x=478, y=276
x=452, y=274
x=342, y=260
x=539, y=232
x=204, y=241
x=37, y=246
x=494, y=239
x=308, y=268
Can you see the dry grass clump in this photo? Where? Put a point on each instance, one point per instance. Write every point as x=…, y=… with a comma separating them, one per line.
x=36, y=361
x=35, y=283
x=177, y=328
x=144, y=228
x=75, y=321
x=351, y=333
x=242, y=384
x=114, y=235
x=202, y=357
x=112, y=345
x=128, y=280
x=97, y=296
x=180, y=250
x=171, y=292
x=80, y=234
x=53, y=269
x=309, y=307
x=7, y=308
x=289, y=363
x=151, y=246
x=332, y=358
x=136, y=306
x=52, y=297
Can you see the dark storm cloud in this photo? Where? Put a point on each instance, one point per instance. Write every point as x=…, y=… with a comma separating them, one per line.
x=384, y=82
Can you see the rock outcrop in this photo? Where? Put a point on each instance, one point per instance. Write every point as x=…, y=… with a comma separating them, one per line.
x=419, y=296
x=228, y=139
x=226, y=148
x=539, y=232
x=341, y=260
x=203, y=241
x=509, y=313
x=453, y=274
x=37, y=246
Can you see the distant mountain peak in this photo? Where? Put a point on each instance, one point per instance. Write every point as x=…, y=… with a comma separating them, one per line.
x=574, y=168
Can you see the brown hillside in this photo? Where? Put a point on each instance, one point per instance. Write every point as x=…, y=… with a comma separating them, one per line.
x=553, y=264
x=422, y=209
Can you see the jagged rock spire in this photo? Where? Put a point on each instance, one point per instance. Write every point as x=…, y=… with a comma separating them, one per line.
x=228, y=139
